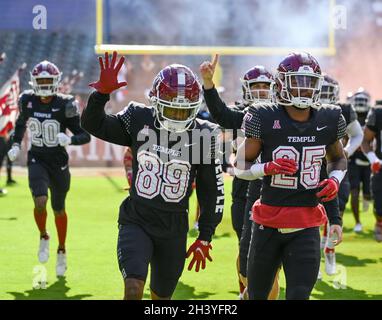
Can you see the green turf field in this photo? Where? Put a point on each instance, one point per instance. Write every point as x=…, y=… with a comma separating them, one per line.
x=92, y=207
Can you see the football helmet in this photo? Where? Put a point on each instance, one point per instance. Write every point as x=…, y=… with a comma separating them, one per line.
x=361, y=101
x=298, y=81
x=176, y=95
x=330, y=91
x=45, y=79
x=257, y=74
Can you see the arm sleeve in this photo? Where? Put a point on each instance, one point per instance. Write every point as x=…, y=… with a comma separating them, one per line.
x=224, y=116
x=355, y=133
x=210, y=193
x=371, y=120
x=106, y=127
x=341, y=127
x=21, y=122
x=80, y=136
x=252, y=124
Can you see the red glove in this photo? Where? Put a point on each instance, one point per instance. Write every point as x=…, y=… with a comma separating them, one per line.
x=200, y=249
x=280, y=166
x=329, y=191
x=375, y=167
x=108, y=79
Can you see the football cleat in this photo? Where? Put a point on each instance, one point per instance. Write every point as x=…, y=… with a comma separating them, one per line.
x=43, y=251
x=358, y=228
x=330, y=263
x=61, y=263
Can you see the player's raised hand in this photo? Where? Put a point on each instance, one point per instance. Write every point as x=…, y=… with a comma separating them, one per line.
x=207, y=70
x=108, y=79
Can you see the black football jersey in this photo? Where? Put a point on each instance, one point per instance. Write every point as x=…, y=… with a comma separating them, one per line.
x=374, y=123
x=305, y=142
x=348, y=112
x=164, y=164
x=45, y=121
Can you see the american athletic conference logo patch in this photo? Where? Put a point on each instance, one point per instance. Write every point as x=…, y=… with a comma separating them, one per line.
x=276, y=124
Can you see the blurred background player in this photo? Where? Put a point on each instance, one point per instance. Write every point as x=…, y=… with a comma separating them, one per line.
x=48, y=114
x=153, y=220
x=359, y=166
x=256, y=88
x=330, y=95
x=373, y=137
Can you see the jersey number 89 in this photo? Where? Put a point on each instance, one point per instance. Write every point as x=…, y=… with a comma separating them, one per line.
x=154, y=177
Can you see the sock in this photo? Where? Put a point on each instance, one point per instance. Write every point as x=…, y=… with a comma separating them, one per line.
x=61, y=221
x=325, y=231
x=242, y=287
x=328, y=250
x=40, y=218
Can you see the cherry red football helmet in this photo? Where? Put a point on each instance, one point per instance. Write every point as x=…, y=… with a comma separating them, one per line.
x=330, y=91
x=176, y=95
x=298, y=81
x=257, y=74
x=45, y=78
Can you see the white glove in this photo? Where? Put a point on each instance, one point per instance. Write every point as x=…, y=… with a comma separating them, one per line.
x=14, y=152
x=63, y=139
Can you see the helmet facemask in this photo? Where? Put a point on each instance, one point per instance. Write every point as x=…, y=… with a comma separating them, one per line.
x=255, y=95
x=177, y=115
x=45, y=85
x=329, y=93
x=361, y=103
x=299, y=89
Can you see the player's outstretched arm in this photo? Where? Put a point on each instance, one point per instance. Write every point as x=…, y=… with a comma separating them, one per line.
x=210, y=193
x=94, y=119
x=224, y=116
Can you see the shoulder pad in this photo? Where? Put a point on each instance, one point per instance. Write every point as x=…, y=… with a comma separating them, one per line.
x=64, y=96
x=26, y=95
x=205, y=124
x=71, y=108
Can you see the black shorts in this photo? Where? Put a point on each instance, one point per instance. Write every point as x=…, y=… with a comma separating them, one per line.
x=357, y=175
x=299, y=254
x=53, y=175
x=376, y=187
x=343, y=193
x=138, y=249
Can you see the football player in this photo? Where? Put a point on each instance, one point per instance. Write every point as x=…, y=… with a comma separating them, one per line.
x=373, y=132
x=153, y=220
x=359, y=166
x=330, y=95
x=293, y=138
x=256, y=86
x=48, y=114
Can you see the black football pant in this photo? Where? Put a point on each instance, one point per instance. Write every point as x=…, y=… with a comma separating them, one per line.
x=299, y=254
x=253, y=195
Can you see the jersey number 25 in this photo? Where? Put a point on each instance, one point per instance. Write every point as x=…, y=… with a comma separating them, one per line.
x=310, y=163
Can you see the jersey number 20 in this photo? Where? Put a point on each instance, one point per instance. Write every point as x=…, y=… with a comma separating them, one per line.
x=44, y=133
